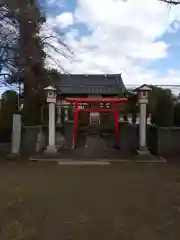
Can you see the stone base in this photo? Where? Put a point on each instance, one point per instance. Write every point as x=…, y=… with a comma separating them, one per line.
x=145, y=156
x=143, y=151
x=14, y=156
x=50, y=150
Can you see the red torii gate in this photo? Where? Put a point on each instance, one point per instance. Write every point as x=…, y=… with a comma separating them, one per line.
x=114, y=101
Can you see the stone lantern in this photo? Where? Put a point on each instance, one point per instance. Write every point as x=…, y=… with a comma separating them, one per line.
x=143, y=93
x=51, y=94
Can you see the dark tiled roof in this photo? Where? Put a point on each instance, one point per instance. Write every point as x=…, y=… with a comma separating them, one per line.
x=91, y=84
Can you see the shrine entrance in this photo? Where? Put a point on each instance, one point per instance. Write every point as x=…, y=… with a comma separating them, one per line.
x=66, y=137
x=94, y=119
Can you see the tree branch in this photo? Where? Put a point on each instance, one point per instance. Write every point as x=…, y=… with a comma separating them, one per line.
x=173, y=2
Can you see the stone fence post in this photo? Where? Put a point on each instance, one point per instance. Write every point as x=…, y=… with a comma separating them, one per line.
x=16, y=134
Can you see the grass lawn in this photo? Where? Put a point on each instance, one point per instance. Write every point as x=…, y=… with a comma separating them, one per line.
x=122, y=201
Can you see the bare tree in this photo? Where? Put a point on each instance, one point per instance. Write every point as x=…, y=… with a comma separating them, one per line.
x=51, y=39
x=34, y=36
x=30, y=56
x=8, y=45
x=173, y=2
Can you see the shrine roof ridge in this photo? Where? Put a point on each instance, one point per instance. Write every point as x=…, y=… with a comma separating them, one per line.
x=91, y=83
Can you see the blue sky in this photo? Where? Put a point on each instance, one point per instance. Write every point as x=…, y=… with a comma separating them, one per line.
x=171, y=61
x=141, y=40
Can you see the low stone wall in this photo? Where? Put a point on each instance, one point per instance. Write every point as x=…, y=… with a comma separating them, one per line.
x=68, y=134
x=128, y=138
x=152, y=137
x=161, y=141
x=164, y=141
x=29, y=139
x=35, y=138
x=5, y=148
x=168, y=141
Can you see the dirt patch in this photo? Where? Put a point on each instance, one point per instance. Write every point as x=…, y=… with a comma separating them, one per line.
x=121, y=201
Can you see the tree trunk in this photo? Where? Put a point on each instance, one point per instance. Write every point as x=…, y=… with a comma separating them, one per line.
x=32, y=64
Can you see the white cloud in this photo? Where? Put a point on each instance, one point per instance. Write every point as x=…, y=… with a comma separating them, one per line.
x=123, y=37
x=65, y=19
x=153, y=51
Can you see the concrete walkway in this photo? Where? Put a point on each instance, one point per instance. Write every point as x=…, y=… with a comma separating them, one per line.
x=94, y=161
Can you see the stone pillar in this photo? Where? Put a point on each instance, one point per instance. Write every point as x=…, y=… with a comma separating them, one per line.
x=142, y=128
x=52, y=124
x=59, y=113
x=66, y=114
x=143, y=101
x=16, y=134
x=51, y=99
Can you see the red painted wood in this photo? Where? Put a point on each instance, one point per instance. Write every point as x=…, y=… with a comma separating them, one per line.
x=95, y=110
x=76, y=115
x=100, y=100
x=116, y=118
